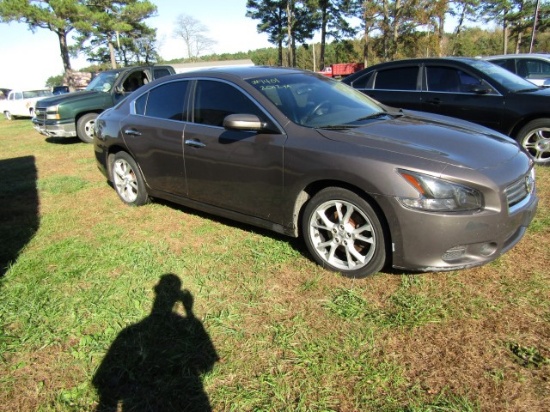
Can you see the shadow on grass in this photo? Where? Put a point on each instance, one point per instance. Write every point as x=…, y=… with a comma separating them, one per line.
x=63, y=140
x=19, y=203
x=156, y=364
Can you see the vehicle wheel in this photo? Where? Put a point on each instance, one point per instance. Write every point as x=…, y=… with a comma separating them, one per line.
x=535, y=138
x=343, y=233
x=85, y=127
x=7, y=115
x=128, y=180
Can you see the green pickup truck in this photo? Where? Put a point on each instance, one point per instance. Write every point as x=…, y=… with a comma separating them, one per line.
x=74, y=114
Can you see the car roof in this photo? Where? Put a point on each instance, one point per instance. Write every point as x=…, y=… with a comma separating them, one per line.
x=242, y=72
x=545, y=56
x=419, y=60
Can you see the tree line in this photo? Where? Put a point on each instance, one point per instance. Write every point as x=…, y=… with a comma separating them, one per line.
x=111, y=33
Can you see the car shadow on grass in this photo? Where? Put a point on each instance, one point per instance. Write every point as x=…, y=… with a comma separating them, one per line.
x=19, y=203
x=157, y=363
x=296, y=243
x=63, y=140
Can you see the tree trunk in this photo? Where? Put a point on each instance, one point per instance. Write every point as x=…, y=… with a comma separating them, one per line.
x=290, y=22
x=64, y=49
x=112, y=52
x=323, y=38
x=505, y=36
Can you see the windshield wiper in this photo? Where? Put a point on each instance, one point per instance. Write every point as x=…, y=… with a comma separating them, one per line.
x=376, y=115
x=338, y=126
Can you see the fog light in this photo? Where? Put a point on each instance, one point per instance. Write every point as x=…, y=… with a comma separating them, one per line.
x=454, y=253
x=487, y=249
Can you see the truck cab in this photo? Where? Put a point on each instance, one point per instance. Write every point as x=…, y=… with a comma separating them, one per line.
x=74, y=114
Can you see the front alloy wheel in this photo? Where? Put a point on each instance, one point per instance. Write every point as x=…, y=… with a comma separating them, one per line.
x=343, y=233
x=535, y=138
x=128, y=181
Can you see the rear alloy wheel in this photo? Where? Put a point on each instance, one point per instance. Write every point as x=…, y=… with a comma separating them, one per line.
x=343, y=233
x=7, y=115
x=85, y=127
x=128, y=180
x=535, y=138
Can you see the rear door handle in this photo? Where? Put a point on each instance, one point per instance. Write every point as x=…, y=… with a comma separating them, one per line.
x=194, y=143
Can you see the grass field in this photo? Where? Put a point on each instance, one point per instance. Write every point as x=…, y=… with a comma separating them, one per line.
x=104, y=306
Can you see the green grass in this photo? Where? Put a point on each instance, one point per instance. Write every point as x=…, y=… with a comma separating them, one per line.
x=164, y=306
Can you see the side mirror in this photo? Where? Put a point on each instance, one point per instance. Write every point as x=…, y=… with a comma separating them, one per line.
x=477, y=89
x=249, y=122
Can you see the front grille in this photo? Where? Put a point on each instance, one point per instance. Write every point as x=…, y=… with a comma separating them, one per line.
x=40, y=113
x=519, y=190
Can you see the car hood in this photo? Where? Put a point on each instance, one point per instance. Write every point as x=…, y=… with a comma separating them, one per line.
x=437, y=138
x=70, y=97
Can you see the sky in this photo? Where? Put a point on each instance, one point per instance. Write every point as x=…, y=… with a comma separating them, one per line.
x=28, y=59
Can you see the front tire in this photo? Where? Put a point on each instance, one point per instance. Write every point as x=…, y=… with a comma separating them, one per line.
x=535, y=138
x=8, y=115
x=85, y=127
x=343, y=233
x=128, y=180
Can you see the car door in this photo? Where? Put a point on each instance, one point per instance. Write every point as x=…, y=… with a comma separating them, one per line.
x=237, y=170
x=153, y=132
x=454, y=92
x=396, y=86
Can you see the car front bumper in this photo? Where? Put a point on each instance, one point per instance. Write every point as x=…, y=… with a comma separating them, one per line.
x=54, y=129
x=431, y=242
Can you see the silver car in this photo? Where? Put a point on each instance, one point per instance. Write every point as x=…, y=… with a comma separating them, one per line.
x=364, y=185
x=534, y=67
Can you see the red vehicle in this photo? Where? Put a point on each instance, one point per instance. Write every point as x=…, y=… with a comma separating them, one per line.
x=341, y=69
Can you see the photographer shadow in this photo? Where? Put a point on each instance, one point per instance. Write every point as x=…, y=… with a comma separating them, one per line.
x=156, y=364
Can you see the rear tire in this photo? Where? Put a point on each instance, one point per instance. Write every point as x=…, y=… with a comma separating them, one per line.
x=85, y=127
x=8, y=115
x=128, y=180
x=535, y=138
x=343, y=233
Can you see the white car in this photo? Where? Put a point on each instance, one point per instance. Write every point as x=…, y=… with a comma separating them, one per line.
x=534, y=67
x=21, y=103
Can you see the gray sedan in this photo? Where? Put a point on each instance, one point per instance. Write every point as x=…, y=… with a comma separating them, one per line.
x=366, y=186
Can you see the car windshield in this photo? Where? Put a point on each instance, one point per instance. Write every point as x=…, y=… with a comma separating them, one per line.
x=312, y=101
x=103, y=82
x=506, y=78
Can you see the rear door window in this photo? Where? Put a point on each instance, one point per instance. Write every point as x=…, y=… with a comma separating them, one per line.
x=402, y=78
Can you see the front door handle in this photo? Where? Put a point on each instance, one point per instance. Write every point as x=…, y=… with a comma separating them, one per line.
x=132, y=132
x=434, y=102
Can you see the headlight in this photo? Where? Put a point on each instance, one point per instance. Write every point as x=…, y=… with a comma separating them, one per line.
x=438, y=195
x=52, y=113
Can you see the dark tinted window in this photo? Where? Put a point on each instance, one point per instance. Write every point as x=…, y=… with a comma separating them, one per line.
x=161, y=72
x=363, y=82
x=141, y=103
x=508, y=64
x=216, y=100
x=449, y=79
x=403, y=78
x=165, y=101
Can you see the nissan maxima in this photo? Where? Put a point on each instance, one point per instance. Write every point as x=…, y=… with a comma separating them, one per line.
x=366, y=186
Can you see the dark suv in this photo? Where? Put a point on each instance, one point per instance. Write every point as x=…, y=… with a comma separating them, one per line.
x=470, y=89
x=74, y=114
